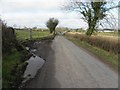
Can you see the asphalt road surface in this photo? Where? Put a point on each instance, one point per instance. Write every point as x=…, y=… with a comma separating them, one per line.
x=68, y=66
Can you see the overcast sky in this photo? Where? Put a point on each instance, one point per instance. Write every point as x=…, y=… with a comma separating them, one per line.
x=32, y=13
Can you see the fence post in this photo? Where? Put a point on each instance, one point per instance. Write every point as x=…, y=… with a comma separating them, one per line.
x=30, y=34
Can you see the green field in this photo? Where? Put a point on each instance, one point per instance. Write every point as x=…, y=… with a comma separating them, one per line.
x=25, y=34
x=108, y=33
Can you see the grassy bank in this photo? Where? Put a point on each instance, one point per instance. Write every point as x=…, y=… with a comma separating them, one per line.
x=107, y=57
x=9, y=61
x=13, y=66
x=8, y=64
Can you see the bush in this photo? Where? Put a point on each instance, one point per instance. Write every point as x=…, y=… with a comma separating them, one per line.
x=8, y=38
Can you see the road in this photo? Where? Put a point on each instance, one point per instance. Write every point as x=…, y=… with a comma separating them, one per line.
x=69, y=66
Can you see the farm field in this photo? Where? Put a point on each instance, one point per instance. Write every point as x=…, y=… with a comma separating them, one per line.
x=104, y=34
x=115, y=34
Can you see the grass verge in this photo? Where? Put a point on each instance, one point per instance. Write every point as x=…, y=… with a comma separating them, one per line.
x=107, y=57
x=12, y=69
x=8, y=62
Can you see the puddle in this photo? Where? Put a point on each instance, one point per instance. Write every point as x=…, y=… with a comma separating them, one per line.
x=33, y=50
x=37, y=43
x=34, y=64
x=27, y=48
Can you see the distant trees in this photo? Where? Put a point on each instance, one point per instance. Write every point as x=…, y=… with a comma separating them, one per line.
x=51, y=24
x=34, y=28
x=92, y=12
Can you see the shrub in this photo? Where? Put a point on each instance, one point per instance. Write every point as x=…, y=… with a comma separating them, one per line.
x=8, y=38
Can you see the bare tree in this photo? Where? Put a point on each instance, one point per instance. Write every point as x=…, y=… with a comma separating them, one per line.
x=92, y=12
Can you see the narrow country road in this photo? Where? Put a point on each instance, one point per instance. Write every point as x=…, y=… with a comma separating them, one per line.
x=68, y=66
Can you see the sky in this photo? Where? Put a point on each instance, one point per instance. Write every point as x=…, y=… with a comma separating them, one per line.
x=31, y=13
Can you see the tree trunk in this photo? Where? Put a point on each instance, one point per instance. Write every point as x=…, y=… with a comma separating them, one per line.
x=91, y=28
x=54, y=32
x=89, y=31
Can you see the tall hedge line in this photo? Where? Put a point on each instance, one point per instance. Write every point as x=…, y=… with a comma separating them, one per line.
x=107, y=43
